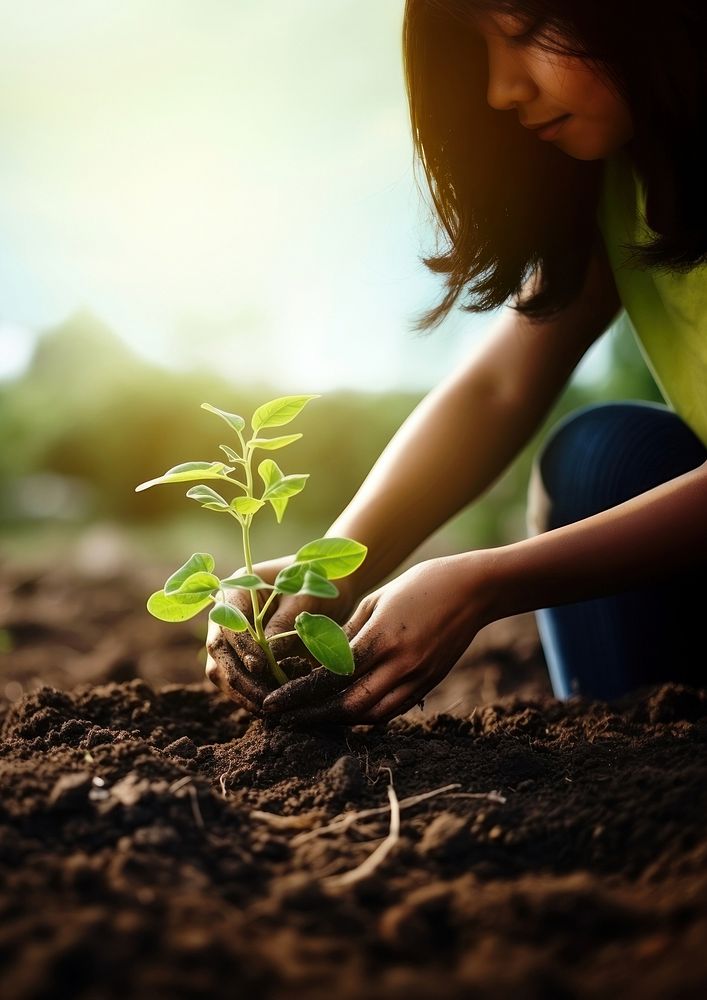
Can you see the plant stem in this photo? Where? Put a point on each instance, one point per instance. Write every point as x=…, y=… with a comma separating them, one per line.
x=282, y=635
x=277, y=672
x=236, y=482
x=267, y=604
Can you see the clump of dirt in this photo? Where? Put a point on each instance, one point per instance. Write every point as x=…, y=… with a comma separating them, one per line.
x=159, y=844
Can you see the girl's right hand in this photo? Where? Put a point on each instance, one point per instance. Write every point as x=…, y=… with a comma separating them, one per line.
x=235, y=662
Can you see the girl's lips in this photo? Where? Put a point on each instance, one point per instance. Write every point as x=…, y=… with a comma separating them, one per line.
x=551, y=130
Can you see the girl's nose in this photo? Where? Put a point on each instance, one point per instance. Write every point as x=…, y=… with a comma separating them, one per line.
x=509, y=83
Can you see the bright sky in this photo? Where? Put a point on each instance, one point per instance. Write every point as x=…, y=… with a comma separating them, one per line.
x=225, y=183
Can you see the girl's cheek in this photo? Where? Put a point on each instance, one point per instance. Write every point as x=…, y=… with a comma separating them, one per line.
x=572, y=85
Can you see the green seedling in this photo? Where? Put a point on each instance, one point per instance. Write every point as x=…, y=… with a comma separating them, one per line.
x=194, y=587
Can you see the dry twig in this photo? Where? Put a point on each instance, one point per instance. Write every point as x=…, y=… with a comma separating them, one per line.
x=342, y=822
x=185, y=782
x=302, y=821
x=179, y=783
x=368, y=866
x=195, y=807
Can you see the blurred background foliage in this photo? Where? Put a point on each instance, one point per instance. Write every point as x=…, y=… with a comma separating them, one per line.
x=88, y=420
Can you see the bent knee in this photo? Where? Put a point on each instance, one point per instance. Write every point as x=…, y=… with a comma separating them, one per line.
x=603, y=455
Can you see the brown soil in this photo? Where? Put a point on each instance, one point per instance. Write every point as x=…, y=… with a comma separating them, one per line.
x=155, y=843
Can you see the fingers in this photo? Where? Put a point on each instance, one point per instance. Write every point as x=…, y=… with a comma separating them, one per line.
x=357, y=707
x=317, y=686
x=362, y=614
x=327, y=712
x=397, y=702
x=283, y=620
x=246, y=650
x=282, y=617
x=249, y=653
x=321, y=684
x=376, y=686
x=348, y=706
x=384, y=685
x=224, y=670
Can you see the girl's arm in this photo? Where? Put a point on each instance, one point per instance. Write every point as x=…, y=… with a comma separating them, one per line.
x=408, y=634
x=646, y=539
x=465, y=432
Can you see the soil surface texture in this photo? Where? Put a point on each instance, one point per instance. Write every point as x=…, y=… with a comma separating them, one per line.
x=157, y=843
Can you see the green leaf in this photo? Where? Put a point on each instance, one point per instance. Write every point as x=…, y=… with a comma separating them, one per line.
x=200, y=562
x=187, y=472
x=228, y=617
x=231, y=455
x=246, y=505
x=168, y=608
x=235, y=422
x=279, y=411
x=200, y=584
x=318, y=585
x=326, y=641
x=270, y=472
x=290, y=579
x=279, y=506
x=288, y=486
x=272, y=444
x=207, y=497
x=300, y=578
x=249, y=581
x=334, y=557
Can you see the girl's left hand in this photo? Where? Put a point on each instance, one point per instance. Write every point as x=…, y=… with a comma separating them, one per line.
x=406, y=636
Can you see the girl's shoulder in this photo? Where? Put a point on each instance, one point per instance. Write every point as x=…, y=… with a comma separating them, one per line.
x=667, y=309
x=622, y=220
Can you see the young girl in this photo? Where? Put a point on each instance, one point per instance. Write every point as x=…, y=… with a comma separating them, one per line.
x=561, y=143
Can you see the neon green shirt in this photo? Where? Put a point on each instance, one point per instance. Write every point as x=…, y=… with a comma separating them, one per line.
x=667, y=310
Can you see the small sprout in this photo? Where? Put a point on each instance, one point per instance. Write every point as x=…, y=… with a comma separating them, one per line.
x=194, y=586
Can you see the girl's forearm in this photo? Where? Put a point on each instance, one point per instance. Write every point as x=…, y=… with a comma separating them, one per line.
x=419, y=482
x=649, y=538
x=464, y=434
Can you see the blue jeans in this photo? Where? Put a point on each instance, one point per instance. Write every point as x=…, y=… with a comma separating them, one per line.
x=598, y=457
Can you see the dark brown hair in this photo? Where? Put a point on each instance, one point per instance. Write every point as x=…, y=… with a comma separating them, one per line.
x=508, y=206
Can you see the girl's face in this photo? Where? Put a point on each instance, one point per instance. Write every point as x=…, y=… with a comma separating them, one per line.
x=542, y=86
